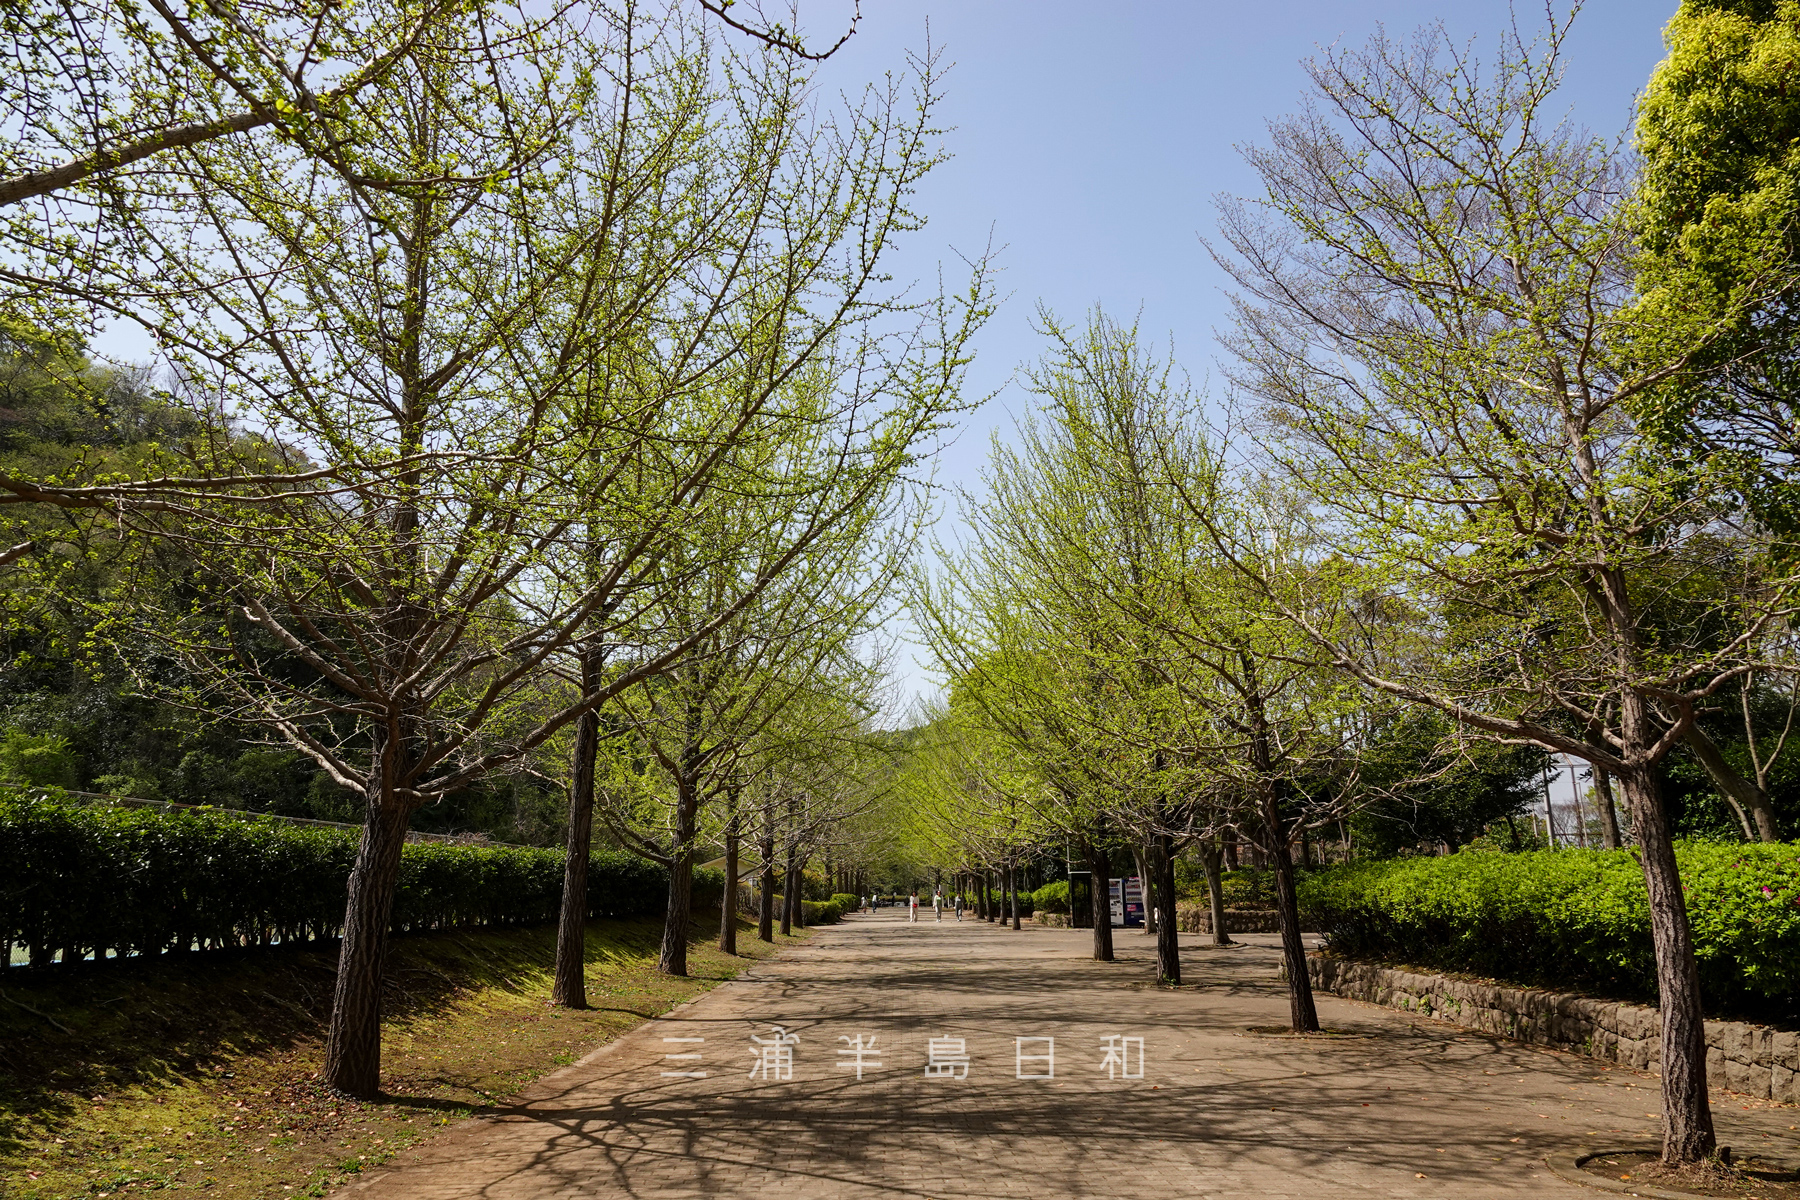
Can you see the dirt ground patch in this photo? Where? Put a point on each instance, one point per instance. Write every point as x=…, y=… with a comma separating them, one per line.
x=122, y=1079
x=1752, y=1176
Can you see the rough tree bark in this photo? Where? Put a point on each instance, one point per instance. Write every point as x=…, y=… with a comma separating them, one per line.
x=569, y=983
x=765, y=903
x=1302, y=1014
x=353, y=1047
x=679, y=917
x=1147, y=885
x=728, y=903
x=1215, y=891
x=1168, y=943
x=1100, y=896
x=1609, y=812
x=1687, y=1118
x=789, y=901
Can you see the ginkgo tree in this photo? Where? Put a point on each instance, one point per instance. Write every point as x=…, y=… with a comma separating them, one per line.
x=1435, y=320
x=491, y=352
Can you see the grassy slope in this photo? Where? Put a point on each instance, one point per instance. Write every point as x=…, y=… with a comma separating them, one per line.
x=130, y=1078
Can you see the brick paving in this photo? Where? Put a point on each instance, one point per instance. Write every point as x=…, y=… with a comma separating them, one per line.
x=1408, y=1107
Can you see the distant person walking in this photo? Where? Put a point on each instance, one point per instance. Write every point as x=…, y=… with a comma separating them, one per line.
x=912, y=905
x=959, y=906
x=937, y=906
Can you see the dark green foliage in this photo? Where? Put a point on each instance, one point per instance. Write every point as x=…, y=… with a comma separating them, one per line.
x=706, y=887
x=1246, y=887
x=1051, y=898
x=997, y=901
x=1428, y=788
x=822, y=912
x=139, y=881
x=73, y=706
x=44, y=760
x=53, y=396
x=1573, y=919
x=1695, y=807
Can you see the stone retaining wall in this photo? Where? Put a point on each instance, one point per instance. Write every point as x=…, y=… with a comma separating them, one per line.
x=1752, y=1059
x=1191, y=920
x=1197, y=918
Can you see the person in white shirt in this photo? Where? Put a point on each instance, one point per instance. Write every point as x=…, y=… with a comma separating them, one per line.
x=912, y=905
x=937, y=905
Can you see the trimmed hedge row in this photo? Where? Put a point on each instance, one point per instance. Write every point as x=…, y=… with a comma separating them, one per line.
x=86, y=880
x=1051, y=898
x=1571, y=918
x=821, y=912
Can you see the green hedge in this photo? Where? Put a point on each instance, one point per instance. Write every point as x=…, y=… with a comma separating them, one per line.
x=997, y=902
x=1052, y=897
x=85, y=880
x=846, y=903
x=1572, y=918
x=820, y=912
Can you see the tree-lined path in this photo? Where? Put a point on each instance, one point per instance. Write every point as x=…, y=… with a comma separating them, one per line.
x=1410, y=1107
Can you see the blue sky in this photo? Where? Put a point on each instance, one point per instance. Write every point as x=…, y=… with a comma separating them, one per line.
x=1090, y=138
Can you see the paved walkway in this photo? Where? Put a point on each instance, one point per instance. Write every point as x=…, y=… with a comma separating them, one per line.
x=1410, y=1108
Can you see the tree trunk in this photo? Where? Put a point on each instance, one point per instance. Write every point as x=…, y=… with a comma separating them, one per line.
x=728, y=903
x=1012, y=878
x=789, y=901
x=765, y=904
x=797, y=890
x=1229, y=839
x=1145, y=886
x=1168, y=942
x=1609, y=812
x=1215, y=891
x=1301, y=1013
x=353, y=1045
x=1581, y=836
x=1100, y=877
x=1687, y=1117
x=678, y=920
x=1748, y=801
x=569, y=986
